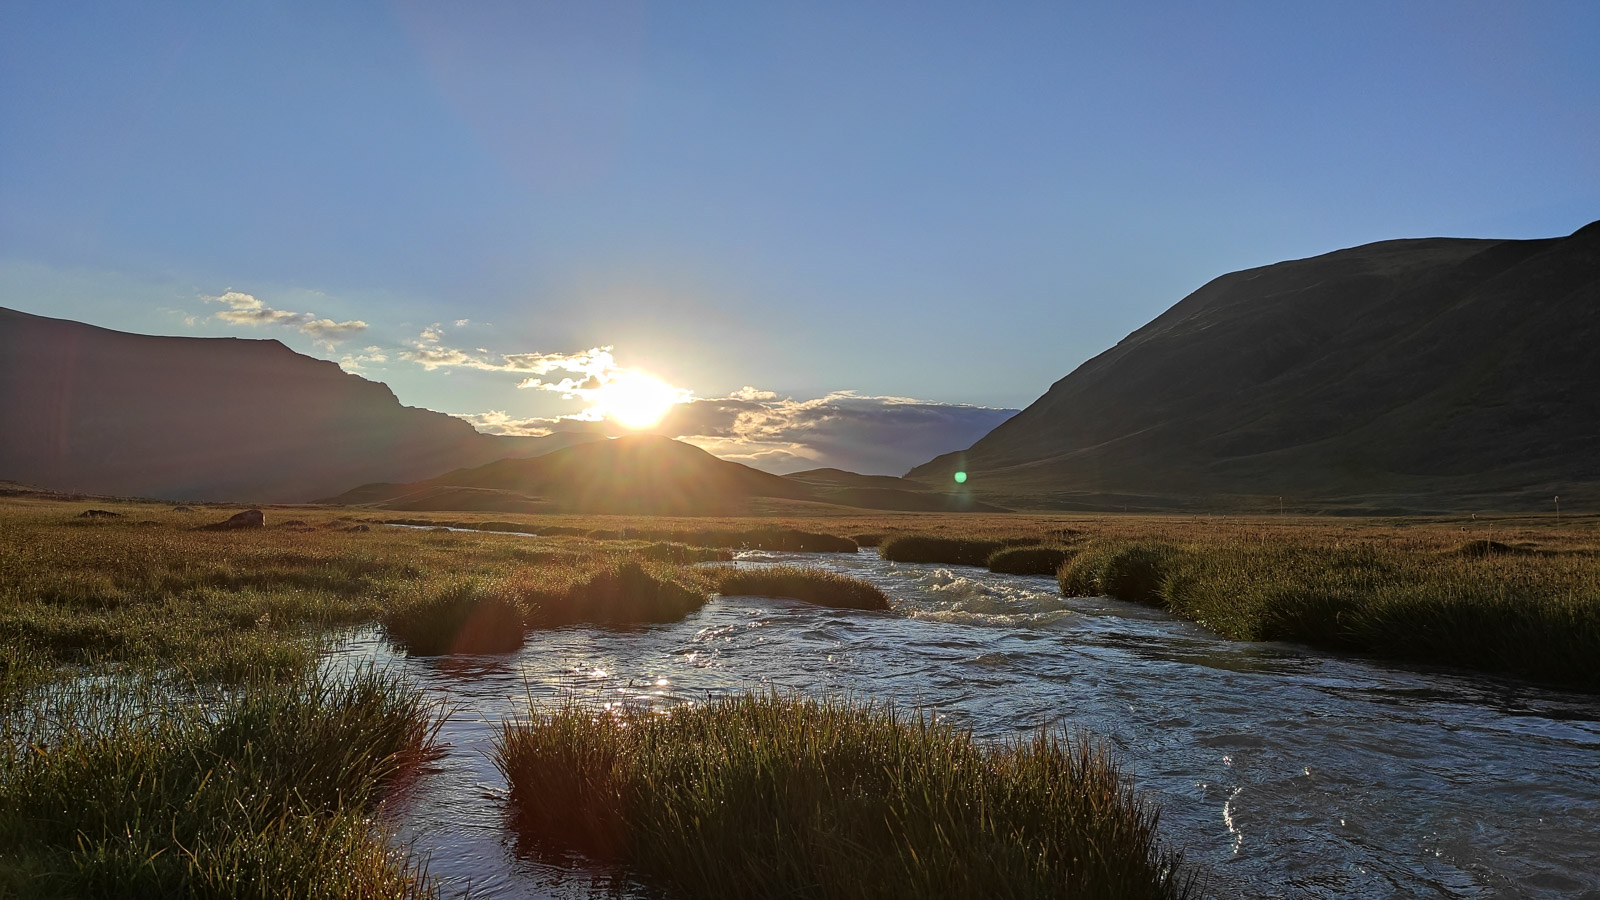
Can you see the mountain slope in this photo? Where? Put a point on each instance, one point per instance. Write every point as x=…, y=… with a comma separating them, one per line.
x=640, y=474
x=1425, y=374
x=100, y=411
x=636, y=475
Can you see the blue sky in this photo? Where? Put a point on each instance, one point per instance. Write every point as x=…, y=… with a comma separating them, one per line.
x=957, y=203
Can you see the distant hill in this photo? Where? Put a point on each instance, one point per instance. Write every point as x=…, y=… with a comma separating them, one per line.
x=97, y=411
x=888, y=492
x=639, y=474
x=1430, y=374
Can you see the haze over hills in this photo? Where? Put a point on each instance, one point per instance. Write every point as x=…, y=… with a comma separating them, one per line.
x=1438, y=373
x=640, y=474
x=98, y=411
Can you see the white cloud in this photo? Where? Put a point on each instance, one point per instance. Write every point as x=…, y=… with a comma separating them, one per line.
x=352, y=362
x=246, y=309
x=329, y=331
x=845, y=429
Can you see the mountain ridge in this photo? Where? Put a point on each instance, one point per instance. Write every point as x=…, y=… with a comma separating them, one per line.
x=1431, y=373
x=100, y=411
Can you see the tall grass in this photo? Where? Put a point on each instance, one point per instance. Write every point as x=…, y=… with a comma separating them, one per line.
x=768, y=796
x=462, y=613
x=807, y=585
x=124, y=788
x=1028, y=560
x=1535, y=616
x=955, y=551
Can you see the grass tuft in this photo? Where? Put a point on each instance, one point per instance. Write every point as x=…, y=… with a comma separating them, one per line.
x=120, y=788
x=954, y=551
x=807, y=585
x=1029, y=560
x=768, y=796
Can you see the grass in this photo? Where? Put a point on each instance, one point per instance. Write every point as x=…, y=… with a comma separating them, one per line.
x=1028, y=560
x=471, y=613
x=1530, y=615
x=956, y=551
x=124, y=788
x=807, y=585
x=768, y=796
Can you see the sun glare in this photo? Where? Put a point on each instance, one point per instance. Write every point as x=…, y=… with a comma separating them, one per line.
x=634, y=399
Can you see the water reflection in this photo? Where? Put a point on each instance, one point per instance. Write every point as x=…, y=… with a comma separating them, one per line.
x=1281, y=771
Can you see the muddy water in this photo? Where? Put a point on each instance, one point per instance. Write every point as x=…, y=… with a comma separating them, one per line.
x=1281, y=771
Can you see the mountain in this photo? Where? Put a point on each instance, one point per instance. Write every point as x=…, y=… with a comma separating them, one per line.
x=887, y=492
x=643, y=474
x=639, y=474
x=105, y=412
x=1429, y=374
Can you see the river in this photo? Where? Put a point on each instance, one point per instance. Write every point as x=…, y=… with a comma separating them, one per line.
x=1280, y=770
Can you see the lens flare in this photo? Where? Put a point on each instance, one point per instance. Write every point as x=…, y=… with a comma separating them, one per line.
x=961, y=478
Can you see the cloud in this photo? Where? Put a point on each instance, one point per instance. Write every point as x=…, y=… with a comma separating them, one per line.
x=357, y=362
x=328, y=330
x=846, y=430
x=245, y=309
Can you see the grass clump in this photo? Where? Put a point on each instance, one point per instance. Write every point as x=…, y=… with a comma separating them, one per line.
x=1531, y=614
x=787, y=797
x=955, y=551
x=617, y=592
x=460, y=614
x=807, y=585
x=1135, y=571
x=1028, y=560
x=122, y=788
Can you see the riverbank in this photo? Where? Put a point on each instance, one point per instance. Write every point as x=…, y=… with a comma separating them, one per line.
x=162, y=675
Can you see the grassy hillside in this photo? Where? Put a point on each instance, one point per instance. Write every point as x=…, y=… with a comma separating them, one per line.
x=1434, y=374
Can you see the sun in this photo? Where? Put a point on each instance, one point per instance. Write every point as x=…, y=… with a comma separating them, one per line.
x=634, y=399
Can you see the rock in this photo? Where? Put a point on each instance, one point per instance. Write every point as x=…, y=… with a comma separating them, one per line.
x=182, y=509
x=250, y=518
x=99, y=514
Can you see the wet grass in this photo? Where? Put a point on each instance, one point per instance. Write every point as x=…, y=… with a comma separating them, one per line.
x=130, y=787
x=767, y=796
x=1536, y=616
x=807, y=585
x=491, y=613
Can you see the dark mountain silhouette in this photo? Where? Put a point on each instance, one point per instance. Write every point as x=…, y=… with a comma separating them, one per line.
x=105, y=412
x=1438, y=373
x=636, y=474
x=640, y=474
x=887, y=492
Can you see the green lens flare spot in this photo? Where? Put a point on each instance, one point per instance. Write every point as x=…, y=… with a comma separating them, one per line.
x=961, y=478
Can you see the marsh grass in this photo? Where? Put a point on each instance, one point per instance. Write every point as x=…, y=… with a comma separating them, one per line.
x=1535, y=615
x=1028, y=560
x=960, y=550
x=763, y=537
x=231, y=605
x=769, y=796
x=817, y=586
x=125, y=787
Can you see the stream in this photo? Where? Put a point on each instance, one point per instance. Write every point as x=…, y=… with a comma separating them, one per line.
x=1280, y=770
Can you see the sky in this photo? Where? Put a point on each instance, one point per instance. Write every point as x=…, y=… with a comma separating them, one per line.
x=856, y=234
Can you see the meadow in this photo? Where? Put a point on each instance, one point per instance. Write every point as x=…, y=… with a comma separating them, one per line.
x=167, y=729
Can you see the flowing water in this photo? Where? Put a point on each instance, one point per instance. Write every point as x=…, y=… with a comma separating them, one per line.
x=1281, y=771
